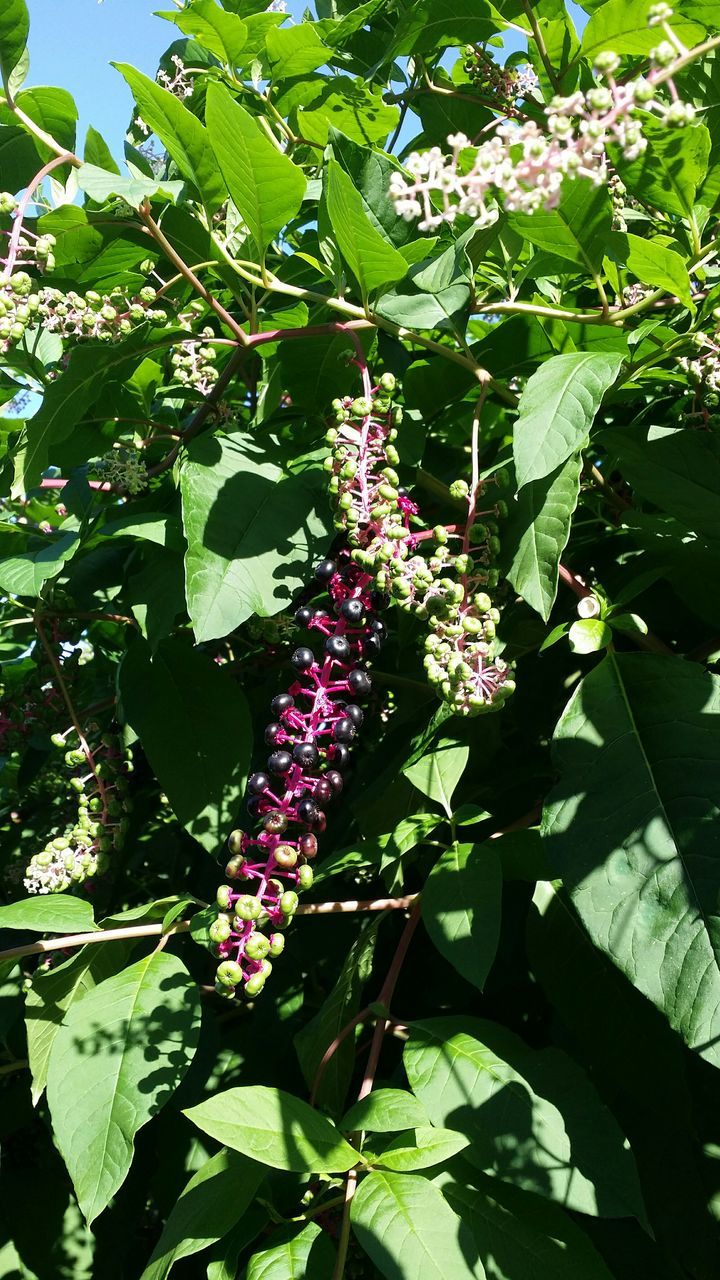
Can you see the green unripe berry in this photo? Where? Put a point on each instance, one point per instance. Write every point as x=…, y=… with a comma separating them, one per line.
x=459, y=489
x=305, y=877
x=247, y=907
x=388, y=383
x=277, y=944
x=285, y=855
x=229, y=973
x=223, y=897
x=288, y=902
x=361, y=407
x=257, y=946
x=220, y=930
x=254, y=985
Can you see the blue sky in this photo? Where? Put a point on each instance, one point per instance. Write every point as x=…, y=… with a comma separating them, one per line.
x=72, y=43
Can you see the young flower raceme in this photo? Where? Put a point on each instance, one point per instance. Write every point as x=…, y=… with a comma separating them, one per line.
x=309, y=740
x=522, y=167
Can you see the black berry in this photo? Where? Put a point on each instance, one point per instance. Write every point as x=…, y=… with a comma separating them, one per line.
x=325, y=570
x=257, y=783
x=306, y=755
x=337, y=647
x=282, y=703
x=302, y=659
x=280, y=762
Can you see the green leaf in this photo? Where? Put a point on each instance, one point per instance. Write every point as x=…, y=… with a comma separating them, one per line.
x=51, y=994
x=589, y=635
x=420, y=1149
x=180, y=132
x=194, y=725
x=348, y=105
x=294, y=51
x=371, y=259
x=120, y=1054
x=651, y=263
x=532, y=1116
x=536, y=534
x=622, y=25
x=265, y=186
x=670, y=169
x=252, y=529
x=461, y=908
x=51, y=913
x=14, y=31
x=639, y=847
x=316, y=1036
x=306, y=1255
x=97, y=151
x=215, y=1198
x=25, y=574
x=370, y=171
x=54, y=110
x=576, y=230
x=429, y=24
x=557, y=410
x=385, y=1111
x=436, y=293
x=224, y=34
x=275, y=1128
x=70, y=396
x=522, y=1237
x=677, y=470
x=438, y=773
x=408, y=1230
x=100, y=185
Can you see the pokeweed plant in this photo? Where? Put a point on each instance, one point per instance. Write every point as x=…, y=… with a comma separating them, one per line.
x=378, y=383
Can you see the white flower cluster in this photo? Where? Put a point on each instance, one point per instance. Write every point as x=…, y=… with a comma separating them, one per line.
x=522, y=166
x=180, y=84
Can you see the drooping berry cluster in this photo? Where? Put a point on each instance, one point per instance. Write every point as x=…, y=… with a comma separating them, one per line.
x=315, y=723
x=123, y=467
x=504, y=84
x=98, y=785
x=107, y=317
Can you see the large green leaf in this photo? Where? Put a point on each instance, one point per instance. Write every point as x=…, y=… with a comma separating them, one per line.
x=265, y=186
x=409, y=1231
x=622, y=25
x=25, y=574
x=532, y=1116
x=385, y=1111
x=576, y=229
x=51, y=913
x=371, y=259
x=523, y=1237
x=436, y=293
x=275, y=1128
x=651, y=263
x=438, y=773
x=118, y=1057
x=677, y=470
x=420, y=1148
x=181, y=133
x=224, y=34
x=194, y=725
x=557, y=410
x=536, y=534
x=306, y=1255
x=349, y=105
x=461, y=906
x=51, y=994
x=214, y=1199
x=14, y=29
x=671, y=168
x=316, y=1036
x=428, y=24
x=294, y=51
x=252, y=531
x=370, y=171
x=633, y=822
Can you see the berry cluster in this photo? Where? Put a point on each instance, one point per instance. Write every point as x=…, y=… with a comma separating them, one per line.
x=522, y=167
x=122, y=467
x=19, y=307
x=108, y=317
x=704, y=370
x=98, y=785
x=504, y=84
x=309, y=740
x=193, y=361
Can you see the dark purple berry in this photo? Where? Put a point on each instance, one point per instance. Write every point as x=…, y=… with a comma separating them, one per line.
x=319, y=822
x=371, y=646
x=307, y=811
x=323, y=791
x=280, y=762
x=253, y=806
x=337, y=647
x=257, y=783
x=377, y=626
x=339, y=754
x=302, y=659
x=335, y=779
x=344, y=730
x=282, y=703
x=306, y=755
x=360, y=682
x=325, y=570
x=353, y=611
x=308, y=846
x=355, y=714
x=273, y=734
x=303, y=615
